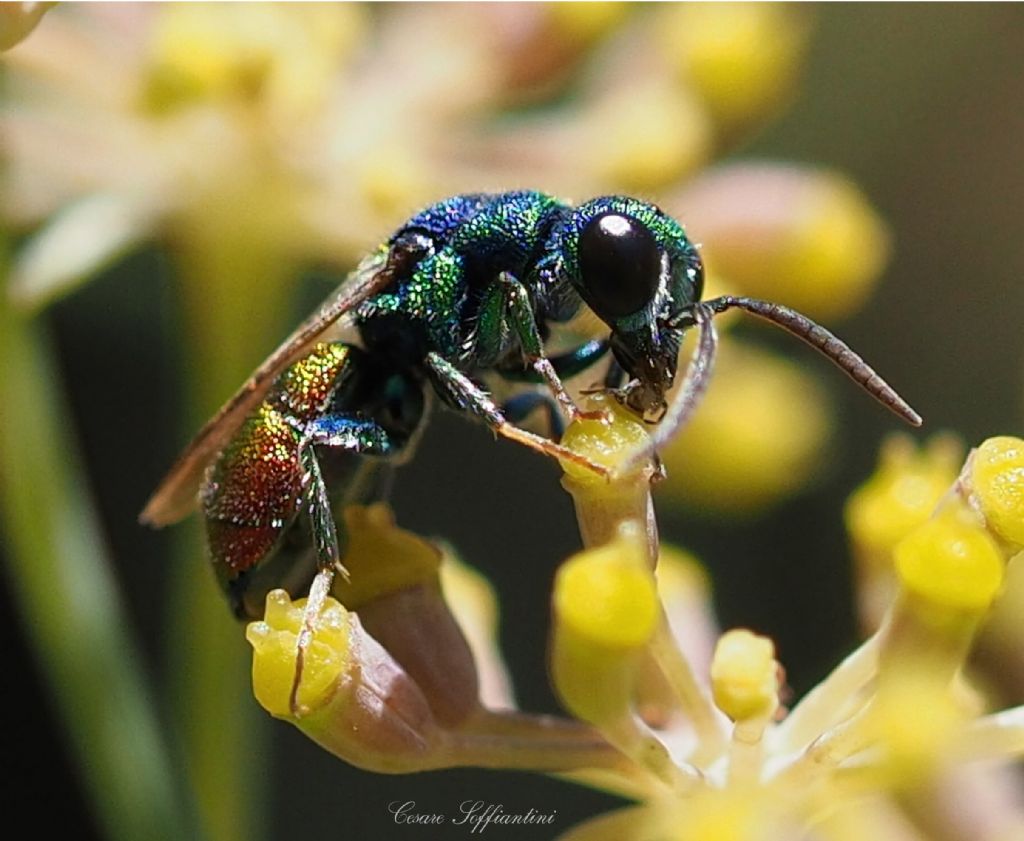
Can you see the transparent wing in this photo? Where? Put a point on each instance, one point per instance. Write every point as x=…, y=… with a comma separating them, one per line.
x=176, y=495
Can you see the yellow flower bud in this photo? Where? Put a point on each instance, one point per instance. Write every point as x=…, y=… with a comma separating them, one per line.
x=273, y=667
x=607, y=596
x=997, y=482
x=902, y=492
x=604, y=504
x=609, y=442
x=951, y=564
x=741, y=57
x=606, y=609
x=745, y=675
x=353, y=699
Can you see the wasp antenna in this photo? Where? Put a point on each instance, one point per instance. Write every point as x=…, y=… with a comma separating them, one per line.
x=690, y=393
x=827, y=343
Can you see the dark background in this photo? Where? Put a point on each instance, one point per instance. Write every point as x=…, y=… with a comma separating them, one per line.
x=922, y=106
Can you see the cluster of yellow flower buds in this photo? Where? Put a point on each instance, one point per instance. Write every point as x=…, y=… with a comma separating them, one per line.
x=898, y=716
x=675, y=715
x=671, y=713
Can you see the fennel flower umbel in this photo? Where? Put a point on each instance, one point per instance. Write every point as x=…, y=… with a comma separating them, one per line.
x=887, y=745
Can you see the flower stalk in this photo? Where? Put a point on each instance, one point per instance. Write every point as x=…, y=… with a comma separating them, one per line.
x=64, y=588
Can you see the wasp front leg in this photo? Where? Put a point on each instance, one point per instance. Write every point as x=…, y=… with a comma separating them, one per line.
x=507, y=305
x=566, y=365
x=462, y=393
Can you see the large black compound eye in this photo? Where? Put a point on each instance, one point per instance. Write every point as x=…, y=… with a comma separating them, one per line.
x=620, y=265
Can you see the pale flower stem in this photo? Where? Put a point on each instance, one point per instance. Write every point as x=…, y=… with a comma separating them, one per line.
x=692, y=698
x=643, y=748
x=826, y=752
x=635, y=784
x=602, y=512
x=819, y=709
x=524, y=725
x=546, y=743
x=996, y=736
x=746, y=752
x=534, y=753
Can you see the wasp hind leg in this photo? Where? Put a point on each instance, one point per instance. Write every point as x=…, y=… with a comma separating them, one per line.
x=358, y=436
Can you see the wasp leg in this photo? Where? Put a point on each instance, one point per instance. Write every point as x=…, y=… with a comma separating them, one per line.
x=460, y=391
x=517, y=408
x=567, y=365
x=615, y=376
x=365, y=437
x=614, y=382
x=508, y=304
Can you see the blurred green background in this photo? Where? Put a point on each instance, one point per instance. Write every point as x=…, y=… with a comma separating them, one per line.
x=921, y=105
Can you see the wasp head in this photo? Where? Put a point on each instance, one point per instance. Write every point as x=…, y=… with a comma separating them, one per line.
x=635, y=268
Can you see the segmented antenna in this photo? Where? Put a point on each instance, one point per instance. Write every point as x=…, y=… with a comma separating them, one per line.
x=822, y=340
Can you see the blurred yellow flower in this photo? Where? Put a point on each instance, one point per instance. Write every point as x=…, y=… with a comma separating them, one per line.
x=743, y=58
x=804, y=237
x=18, y=19
x=896, y=499
x=759, y=435
x=254, y=140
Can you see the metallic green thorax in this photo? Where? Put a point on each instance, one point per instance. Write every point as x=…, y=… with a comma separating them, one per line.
x=478, y=238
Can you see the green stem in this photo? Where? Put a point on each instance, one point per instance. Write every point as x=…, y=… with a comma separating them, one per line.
x=65, y=589
x=235, y=305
